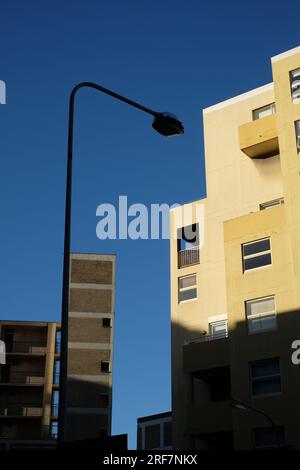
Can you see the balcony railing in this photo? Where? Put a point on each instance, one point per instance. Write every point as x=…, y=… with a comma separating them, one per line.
x=26, y=347
x=22, y=378
x=188, y=257
x=207, y=338
x=20, y=410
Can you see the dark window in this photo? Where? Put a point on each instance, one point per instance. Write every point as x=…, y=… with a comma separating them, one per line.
x=265, y=377
x=152, y=436
x=269, y=437
x=106, y=322
x=256, y=254
x=104, y=399
x=104, y=366
x=168, y=434
x=103, y=432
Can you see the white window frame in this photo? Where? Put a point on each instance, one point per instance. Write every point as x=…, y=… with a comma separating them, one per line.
x=264, y=378
x=255, y=255
x=261, y=314
x=296, y=85
x=218, y=322
x=270, y=106
x=183, y=289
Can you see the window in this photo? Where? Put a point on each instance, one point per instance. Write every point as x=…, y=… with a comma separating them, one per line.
x=106, y=322
x=218, y=329
x=261, y=314
x=256, y=254
x=152, y=436
x=269, y=437
x=297, y=131
x=188, y=245
x=104, y=399
x=53, y=430
x=295, y=85
x=103, y=432
x=265, y=377
x=187, y=288
x=55, y=402
x=270, y=204
x=56, y=372
x=58, y=342
x=105, y=366
x=264, y=111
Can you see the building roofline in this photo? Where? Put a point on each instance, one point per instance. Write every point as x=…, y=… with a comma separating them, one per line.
x=236, y=99
x=92, y=254
x=29, y=322
x=167, y=414
x=283, y=55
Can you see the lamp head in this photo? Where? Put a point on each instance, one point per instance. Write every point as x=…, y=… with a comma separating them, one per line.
x=238, y=405
x=167, y=124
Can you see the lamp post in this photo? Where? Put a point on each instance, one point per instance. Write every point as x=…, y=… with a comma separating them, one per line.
x=240, y=405
x=166, y=124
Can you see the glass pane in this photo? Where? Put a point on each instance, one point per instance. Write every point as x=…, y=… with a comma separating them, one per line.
x=266, y=386
x=263, y=305
x=266, y=437
x=256, y=247
x=187, y=294
x=219, y=329
x=263, y=111
x=187, y=281
x=295, y=85
x=257, y=262
x=262, y=324
x=265, y=368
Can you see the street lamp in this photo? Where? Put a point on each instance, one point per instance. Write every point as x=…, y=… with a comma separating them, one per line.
x=164, y=123
x=242, y=406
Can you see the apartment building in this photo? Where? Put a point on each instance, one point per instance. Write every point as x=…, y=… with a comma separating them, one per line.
x=235, y=274
x=154, y=432
x=29, y=381
x=90, y=346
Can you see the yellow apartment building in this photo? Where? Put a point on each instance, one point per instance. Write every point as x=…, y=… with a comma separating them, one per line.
x=235, y=275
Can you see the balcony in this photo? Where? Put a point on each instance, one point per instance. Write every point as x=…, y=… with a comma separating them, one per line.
x=20, y=411
x=206, y=351
x=259, y=138
x=25, y=347
x=208, y=417
x=21, y=378
x=188, y=257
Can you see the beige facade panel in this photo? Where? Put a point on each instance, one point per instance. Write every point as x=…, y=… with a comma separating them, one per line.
x=86, y=361
x=92, y=271
x=200, y=355
x=89, y=330
x=259, y=138
x=91, y=300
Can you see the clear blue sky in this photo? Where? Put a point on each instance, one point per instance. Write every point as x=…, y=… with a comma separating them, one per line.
x=173, y=55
